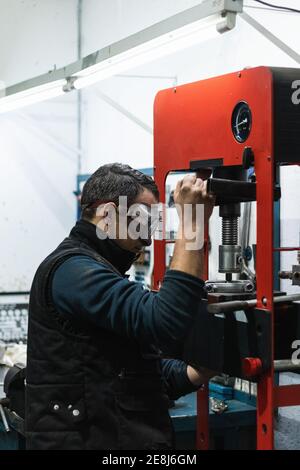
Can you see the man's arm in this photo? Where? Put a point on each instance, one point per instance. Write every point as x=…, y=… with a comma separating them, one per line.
x=181, y=379
x=176, y=379
x=89, y=290
x=190, y=191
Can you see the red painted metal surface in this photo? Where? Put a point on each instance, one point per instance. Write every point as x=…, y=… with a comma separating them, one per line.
x=202, y=432
x=287, y=395
x=193, y=123
x=252, y=367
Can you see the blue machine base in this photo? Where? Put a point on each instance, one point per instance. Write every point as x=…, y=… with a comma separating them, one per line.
x=233, y=429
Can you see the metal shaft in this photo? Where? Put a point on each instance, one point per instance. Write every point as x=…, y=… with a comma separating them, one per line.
x=286, y=365
x=4, y=420
x=223, y=307
x=285, y=275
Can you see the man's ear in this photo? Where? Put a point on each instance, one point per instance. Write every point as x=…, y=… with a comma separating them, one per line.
x=106, y=217
x=106, y=210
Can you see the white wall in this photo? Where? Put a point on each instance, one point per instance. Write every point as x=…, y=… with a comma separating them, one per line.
x=111, y=134
x=39, y=163
x=108, y=134
x=37, y=177
x=35, y=35
x=108, y=21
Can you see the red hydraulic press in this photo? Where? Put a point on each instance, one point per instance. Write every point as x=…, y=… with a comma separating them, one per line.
x=228, y=124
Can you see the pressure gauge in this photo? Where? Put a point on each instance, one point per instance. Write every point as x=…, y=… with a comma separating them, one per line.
x=241, y=121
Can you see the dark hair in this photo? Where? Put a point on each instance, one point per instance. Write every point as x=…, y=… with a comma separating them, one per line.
x=110, y=182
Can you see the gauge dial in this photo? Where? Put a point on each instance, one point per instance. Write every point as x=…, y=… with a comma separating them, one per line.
x=241, y=121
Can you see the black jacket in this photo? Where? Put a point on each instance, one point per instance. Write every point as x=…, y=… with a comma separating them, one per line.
x=90, y=386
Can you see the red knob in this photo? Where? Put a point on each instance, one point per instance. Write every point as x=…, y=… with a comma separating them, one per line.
x=252, y=366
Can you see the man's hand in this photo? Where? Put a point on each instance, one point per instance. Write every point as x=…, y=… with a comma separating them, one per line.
x=193, y=190
x=188, y=250
x=199, y=376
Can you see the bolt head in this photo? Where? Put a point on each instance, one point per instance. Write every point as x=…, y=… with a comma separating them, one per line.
x=249, y=287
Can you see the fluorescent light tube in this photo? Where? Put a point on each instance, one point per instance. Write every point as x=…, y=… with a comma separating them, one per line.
x=31, y=96
x=153, y=49
x=175, y=33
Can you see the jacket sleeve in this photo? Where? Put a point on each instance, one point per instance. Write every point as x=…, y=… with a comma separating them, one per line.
x=177, y=383
x=84, y=287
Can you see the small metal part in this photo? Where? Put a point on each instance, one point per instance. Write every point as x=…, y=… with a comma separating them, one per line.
x=231, y=306
x=223, y=379
x=70, y=407
x=248, y=253
x=233, y=287
x=285, y=275
x=218, y=406
x=76, y=412
x=248, y=158
x=56, y=407
x=296, y=275
x=4, y=420
x=230, y=259
x=249, y=286
x=69, y=85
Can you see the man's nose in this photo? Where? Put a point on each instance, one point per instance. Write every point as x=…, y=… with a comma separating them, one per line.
x=147, y=242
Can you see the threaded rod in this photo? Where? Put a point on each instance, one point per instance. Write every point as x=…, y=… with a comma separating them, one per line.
x=229, y=230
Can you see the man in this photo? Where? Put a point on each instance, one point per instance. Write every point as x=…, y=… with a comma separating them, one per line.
x=95, y=377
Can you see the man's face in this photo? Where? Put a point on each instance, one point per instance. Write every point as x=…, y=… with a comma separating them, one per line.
x=146, y=198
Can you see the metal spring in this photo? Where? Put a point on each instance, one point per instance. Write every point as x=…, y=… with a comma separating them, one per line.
x=229, y=230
